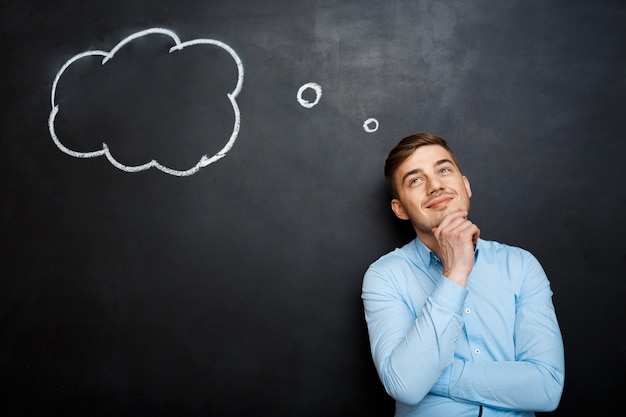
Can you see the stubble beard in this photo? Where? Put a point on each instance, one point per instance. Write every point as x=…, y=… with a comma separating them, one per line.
x=426, y=228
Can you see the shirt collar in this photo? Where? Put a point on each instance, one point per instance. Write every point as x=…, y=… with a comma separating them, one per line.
x=428, y=257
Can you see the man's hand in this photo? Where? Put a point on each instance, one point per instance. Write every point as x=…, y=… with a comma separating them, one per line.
x=456, y=237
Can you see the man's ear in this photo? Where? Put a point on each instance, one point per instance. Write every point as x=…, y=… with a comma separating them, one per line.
x=398, y=209
x=467, y=186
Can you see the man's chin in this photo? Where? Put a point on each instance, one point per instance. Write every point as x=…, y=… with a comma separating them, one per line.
x=438, y=217
x=427, y=228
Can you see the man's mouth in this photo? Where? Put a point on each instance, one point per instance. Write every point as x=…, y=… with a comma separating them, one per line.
x=439, y=202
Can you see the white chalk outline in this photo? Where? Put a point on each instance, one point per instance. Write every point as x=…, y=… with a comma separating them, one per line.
x=204, y=160
x=367, y=123
x=318, y=94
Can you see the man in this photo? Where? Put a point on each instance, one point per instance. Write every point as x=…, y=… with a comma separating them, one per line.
x=458, y=325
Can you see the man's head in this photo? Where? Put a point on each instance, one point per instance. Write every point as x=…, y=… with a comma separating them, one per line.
x=425, y=181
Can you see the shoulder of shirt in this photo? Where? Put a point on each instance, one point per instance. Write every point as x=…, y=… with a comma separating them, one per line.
x=494, y=251
x=496, y=245
x=400, y=265
x=408, y=255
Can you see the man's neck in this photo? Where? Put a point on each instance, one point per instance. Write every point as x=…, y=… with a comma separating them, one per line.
x=429, y=240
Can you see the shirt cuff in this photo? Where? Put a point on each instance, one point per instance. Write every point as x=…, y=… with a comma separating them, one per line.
x=449, y=295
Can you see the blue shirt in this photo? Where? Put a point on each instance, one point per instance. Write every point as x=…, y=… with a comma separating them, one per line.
x=443, y=350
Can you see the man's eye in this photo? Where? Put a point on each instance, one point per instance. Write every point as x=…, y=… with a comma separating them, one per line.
x=415, y=181
x=445, y=170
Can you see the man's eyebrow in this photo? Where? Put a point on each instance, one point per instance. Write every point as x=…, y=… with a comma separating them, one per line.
x=411, y=172
x=444, y=161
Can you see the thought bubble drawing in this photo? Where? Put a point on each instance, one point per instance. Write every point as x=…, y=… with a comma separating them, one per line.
x=107, y=57
x=370, y=125
x=318, y=95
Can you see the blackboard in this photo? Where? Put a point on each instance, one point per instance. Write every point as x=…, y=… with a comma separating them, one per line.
x=192, y=190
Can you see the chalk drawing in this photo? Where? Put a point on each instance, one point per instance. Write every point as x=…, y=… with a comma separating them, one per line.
x=205, y=160
x=318, y=94
x=370, y=125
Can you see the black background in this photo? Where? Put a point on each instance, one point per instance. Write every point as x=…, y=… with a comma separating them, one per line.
x=236, y=290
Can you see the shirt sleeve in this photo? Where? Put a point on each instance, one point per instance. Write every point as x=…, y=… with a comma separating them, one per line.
x=534, y=379
x=410, y=348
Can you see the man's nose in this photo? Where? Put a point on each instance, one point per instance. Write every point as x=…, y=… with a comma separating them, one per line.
x=434, y=185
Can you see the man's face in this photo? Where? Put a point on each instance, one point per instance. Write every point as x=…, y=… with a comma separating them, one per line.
x=429, y=186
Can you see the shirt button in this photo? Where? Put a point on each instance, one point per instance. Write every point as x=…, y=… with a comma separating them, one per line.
x=477, y=351
x=468, y=310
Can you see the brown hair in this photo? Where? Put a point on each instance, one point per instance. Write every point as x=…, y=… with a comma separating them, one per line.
x=404, y=149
